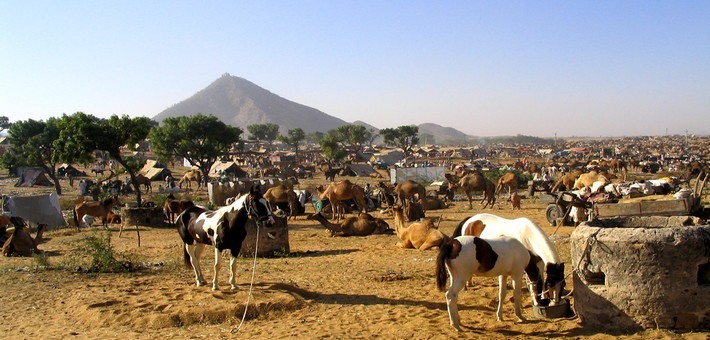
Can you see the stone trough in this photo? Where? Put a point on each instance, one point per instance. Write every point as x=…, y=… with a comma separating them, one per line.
x=273, y=239
x=143, y=216
x=642, y=272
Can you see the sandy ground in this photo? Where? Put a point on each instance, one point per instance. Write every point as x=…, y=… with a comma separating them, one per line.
x=327, y=287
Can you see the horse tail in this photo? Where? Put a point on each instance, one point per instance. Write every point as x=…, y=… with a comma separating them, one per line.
x=459, y=228
x=444, y=254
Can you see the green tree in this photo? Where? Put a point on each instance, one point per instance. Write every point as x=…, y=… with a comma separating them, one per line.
x=81, y=134
x=331, y=148
x=32, y=143
x=200, y=139
x=404, y=137
x=4, y=123
x=314, y=137
x=263, y=132
x=353, y=138
x=294, y=138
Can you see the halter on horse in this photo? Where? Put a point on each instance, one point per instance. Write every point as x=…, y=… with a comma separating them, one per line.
x=224, y=228
x=534, y=239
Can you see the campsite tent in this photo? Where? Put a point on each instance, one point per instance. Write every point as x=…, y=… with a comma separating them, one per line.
x=31, y=176
x=37, y=209
x=229, y=167
x=359, y=170
x=67, y=169
x=154, y=170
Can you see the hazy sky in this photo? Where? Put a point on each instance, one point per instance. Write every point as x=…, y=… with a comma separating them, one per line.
x=589, y=68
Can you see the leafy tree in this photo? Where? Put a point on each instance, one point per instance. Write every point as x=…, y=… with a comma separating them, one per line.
x=331, y=149
x=293, y=138
x=263, y=132
x=200, y=139
x=81, y=134
x=32, y=144
x=4, y=123
x=404, y=137
x=314, y=137
x=353, y=138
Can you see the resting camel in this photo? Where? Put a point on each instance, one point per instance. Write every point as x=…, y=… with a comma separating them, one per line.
x=420, y=235
x=341, y=191
x=588, y=179
x=362, y=225
x=173, y=207
x=283, y=194
x=509, y=181
x=567, y=181
x=474, y=182
x=407, y=189
x=20, y=243
x=434, y=203
x=189, y=176
x=96, y=209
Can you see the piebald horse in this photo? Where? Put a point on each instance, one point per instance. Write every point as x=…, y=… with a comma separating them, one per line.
x=543, y=251
x=224, y=228
x=466, y=256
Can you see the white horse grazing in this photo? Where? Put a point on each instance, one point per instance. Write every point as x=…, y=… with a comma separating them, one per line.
x=466, y=256
x=544, y=253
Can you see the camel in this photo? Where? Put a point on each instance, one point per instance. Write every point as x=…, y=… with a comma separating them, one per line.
x=21, y=243
x=434, y=203
x=189, y=176
x=567, y=181
x=341, y=191
x=414, y=212
x=509, y=181
x=144, y=181
x=419, y=235
x=173, y=207
x=407, y=189
x=362, y=225
x=474, y=182
x=588, y=179
x=283, y=194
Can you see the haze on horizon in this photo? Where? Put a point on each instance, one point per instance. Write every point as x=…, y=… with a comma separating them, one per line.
x=600, y=68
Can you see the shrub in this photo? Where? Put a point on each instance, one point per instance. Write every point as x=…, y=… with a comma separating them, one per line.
x=95, y=254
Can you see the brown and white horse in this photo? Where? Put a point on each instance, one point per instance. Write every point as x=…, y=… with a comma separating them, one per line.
x=96, y=209
x=224, y=228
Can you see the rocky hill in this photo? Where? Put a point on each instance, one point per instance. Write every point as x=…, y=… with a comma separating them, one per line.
x=239, y=102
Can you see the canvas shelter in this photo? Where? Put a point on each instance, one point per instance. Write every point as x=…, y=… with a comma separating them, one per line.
x=36, y=209
x=229, y=167
x=154, y=170
x=68, y=169
x=359, y=170
x=31, y=176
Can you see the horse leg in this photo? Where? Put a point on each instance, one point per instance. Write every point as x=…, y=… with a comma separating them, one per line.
x=502, y=291
x=451, y=300
x=195, y=251
x=217, y=266
x=232, y=271
x=517, y=286
x=470, y=200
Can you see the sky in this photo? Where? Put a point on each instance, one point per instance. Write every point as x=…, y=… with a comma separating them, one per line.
x=486, y=68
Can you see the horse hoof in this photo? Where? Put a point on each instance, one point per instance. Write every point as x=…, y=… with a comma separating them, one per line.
x=234, y=287
x=200, y=284
x=215, y=288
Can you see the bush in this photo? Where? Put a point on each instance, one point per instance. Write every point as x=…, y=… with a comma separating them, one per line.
x=95, y=254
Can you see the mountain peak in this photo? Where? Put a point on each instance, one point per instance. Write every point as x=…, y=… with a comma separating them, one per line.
x=239, y=102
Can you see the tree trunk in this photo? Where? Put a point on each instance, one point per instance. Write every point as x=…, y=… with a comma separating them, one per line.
x=132, y=174
x=53, y=177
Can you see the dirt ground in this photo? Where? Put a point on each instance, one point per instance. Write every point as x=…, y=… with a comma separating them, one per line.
x=327, y=287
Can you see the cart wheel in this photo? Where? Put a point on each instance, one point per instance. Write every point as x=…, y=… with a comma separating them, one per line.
x=553, y=212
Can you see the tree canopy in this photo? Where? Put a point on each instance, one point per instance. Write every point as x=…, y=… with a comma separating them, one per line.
x=200, y=139
x=4, y=123
x=404, y=137
x=32, y=143
x=293, y=138
x=263, y=132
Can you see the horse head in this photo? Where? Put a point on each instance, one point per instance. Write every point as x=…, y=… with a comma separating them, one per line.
x=555, y=281
x=258, y=207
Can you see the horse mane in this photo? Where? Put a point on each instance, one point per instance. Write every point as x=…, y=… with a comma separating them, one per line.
x=539, y=237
